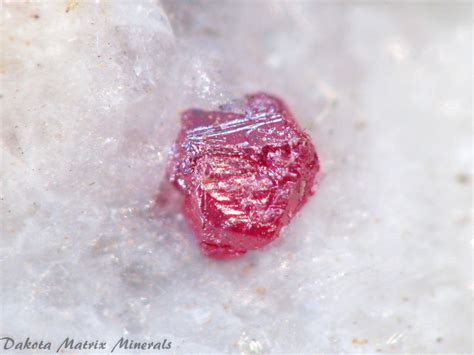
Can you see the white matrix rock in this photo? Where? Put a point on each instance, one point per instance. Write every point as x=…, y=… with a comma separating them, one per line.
x=379, y=260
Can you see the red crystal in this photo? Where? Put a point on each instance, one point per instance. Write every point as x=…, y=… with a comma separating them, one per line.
x=243, y=175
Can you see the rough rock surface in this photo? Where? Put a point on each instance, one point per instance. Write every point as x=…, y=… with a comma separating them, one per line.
x=379, y=260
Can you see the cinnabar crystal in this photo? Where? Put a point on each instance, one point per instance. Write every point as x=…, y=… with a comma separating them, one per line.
x=243, y=175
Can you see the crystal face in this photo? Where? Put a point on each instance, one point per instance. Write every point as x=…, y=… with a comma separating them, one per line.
x=243, y=175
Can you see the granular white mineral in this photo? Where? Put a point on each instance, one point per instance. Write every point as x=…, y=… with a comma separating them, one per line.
x=379, y=260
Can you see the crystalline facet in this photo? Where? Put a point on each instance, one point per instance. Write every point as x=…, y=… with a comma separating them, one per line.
x=243, y=175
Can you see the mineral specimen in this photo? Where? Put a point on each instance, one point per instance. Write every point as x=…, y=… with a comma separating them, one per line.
x=243, y=175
